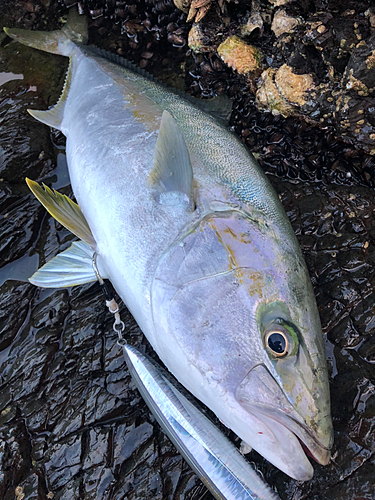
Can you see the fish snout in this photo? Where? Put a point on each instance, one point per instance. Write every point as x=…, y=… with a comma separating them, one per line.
x=261, y=395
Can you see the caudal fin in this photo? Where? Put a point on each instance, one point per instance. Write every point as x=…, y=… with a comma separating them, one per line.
x=57, y=42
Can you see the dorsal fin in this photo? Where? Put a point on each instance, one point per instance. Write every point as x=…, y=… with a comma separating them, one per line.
x=172, y=174
x=64, y=210
x=54, y=116
x=219, y=107
x=121, y=61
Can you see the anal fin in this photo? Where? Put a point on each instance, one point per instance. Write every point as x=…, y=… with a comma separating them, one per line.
x=69, y=268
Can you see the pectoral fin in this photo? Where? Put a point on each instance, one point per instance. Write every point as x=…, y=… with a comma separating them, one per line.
x=172, y=174
x=64, y=210
x=69, y=268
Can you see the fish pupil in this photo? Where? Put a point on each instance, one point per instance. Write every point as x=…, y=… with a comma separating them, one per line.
x=277, y=343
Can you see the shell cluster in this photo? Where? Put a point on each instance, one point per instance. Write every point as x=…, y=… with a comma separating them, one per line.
x=314, y=66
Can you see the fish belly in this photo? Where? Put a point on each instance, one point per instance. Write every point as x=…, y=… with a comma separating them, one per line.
x=111, y=139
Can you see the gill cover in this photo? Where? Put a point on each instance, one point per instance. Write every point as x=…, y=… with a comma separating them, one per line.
x=204, y=288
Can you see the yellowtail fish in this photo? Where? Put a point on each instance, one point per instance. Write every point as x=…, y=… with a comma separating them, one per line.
x=196, y=242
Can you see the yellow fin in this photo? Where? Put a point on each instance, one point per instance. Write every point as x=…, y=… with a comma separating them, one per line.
x=64, y=210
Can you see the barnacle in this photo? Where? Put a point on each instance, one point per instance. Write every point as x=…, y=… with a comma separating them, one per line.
x=370, y=61
x=283, y=23
x=240, y=56
x=198, y=40
x=282, y=91
x=255, y=22
x=197, y=9
x=293, y=87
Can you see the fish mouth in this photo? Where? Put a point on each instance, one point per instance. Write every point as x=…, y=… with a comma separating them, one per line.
x=309, y=443
x=261, y=396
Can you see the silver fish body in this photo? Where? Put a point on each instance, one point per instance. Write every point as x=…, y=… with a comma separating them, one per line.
x=218, y=463
x=211, y=270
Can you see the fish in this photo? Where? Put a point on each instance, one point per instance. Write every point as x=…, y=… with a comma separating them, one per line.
x=210, y=454
x=186, y=226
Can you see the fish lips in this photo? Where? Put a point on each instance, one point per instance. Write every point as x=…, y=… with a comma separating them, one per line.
x=260, y=395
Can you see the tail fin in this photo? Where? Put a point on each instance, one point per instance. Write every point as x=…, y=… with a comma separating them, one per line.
x=61, y=42
x=57, y=42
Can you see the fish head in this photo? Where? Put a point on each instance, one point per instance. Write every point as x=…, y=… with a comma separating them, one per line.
x=234, y=299
x=290, y=386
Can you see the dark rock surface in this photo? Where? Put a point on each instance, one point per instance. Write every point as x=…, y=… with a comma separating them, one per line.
x=72, y=424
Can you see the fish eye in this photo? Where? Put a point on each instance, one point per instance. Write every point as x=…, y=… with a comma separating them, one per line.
x=277, y=343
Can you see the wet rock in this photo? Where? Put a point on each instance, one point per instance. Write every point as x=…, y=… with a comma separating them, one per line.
x=28, y=489
x=128, y=440
x=63, y=462
x=355, y=108
x=15, y=459
x=14, y=309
